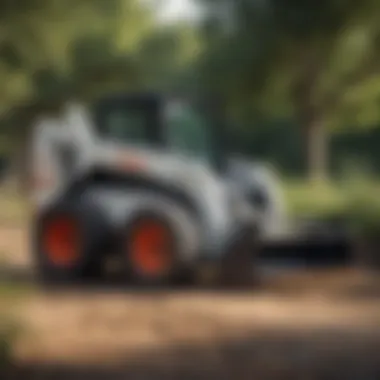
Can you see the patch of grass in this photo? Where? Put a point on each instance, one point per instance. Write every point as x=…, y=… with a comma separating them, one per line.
x=333, y=199
x=313, y=200
x=9, y=332
x=10, y=327
x=14, y=291
x=14, y=208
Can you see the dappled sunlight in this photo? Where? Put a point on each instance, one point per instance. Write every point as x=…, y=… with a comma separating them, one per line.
x=118, y=333
x=189, y=189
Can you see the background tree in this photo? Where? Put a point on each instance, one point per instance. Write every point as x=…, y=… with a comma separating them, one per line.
x=54, y=50
x=313, y=61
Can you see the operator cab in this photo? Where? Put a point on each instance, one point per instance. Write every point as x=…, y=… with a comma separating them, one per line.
x=173, y=125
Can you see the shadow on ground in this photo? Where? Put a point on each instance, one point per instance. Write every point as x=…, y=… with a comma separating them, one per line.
x=251, y=352
x=265, y=355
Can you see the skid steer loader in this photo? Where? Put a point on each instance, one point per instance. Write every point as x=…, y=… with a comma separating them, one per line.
x=146, y=179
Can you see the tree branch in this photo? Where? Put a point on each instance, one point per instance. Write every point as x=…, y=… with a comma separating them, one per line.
x=368, y=69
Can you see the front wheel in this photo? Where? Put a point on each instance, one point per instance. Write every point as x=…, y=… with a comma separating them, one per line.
x=151, y=250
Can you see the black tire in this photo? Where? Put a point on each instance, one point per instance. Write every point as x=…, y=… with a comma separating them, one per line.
x=239, y=267
x=175, y=272
x=93, y=232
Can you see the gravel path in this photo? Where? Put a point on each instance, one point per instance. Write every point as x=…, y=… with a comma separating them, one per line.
x=298, y=326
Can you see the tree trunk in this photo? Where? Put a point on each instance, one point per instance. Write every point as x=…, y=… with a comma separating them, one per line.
x=310, y=115
x=316, y=148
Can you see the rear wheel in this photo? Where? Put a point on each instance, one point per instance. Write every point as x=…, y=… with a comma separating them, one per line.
x=61, y=241
x=68, y=241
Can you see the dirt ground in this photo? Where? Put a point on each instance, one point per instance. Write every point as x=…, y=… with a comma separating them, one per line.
x=298, y=325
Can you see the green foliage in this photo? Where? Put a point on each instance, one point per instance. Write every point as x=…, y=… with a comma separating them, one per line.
x=257, y=54
x=50, y=50
x=356, y=182
x=53, y=50
x=362, y=211
x=9, y=332
x=275, y=46
x=363, y=217
x=354, y=201
x=313, y=62
x=5, y=349
x=167, y=55
x=321, y=201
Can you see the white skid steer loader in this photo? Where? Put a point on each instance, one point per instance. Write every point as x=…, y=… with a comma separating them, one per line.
x=147, y=179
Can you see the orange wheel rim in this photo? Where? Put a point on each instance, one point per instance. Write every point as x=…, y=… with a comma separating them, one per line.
x=151, y=248
x=61, y=241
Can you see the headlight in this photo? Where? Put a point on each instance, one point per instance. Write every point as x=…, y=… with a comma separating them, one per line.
x=258, y=199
